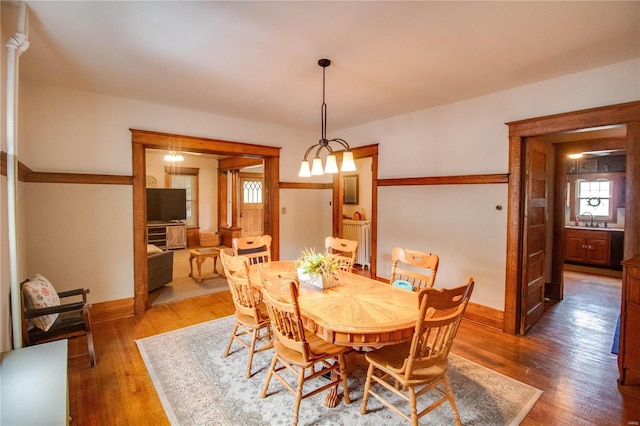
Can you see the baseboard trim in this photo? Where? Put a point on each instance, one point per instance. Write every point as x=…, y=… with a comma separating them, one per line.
x=485, y=315
x=592, y=270
x=111, y=310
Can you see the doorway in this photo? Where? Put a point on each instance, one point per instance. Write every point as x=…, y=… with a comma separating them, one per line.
x=587, y=169
x=142, y=140
x=370, y=153
x=516, y=320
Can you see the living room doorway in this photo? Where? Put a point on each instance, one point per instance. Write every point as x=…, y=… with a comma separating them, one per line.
x=143, y=140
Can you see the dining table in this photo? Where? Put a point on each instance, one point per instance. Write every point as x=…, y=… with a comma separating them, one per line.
x=359, y=311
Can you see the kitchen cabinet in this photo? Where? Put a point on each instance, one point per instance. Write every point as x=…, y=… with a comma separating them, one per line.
x=590, y=247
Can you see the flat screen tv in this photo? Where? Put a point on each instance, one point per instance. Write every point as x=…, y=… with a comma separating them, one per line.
x=166, y=204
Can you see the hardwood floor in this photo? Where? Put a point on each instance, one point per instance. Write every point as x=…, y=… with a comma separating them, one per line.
x=567, y=355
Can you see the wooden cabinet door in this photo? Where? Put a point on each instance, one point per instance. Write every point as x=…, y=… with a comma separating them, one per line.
x=574, y=250
x=598, y=251
x=176, y=236
x=629, y=351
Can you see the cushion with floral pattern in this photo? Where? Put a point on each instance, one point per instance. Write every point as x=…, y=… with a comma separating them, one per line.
x=39, y=293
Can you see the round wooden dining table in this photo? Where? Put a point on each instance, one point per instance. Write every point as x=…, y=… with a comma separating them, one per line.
x=358, y=312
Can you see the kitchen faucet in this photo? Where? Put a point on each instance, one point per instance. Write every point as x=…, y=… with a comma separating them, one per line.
x=590, y=214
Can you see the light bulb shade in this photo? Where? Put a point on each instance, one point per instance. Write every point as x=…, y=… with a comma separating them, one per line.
x=332, y=165
x=348, y=165
x=316, y=167
x=173, y=157
x=305, y=171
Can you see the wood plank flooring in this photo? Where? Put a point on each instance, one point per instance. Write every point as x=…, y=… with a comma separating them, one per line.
x=567, y=355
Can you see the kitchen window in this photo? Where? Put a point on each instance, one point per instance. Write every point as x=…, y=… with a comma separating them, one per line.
x=595, y=197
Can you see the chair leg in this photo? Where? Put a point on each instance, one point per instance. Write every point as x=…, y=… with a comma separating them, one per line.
x=413, y=405
x=252, y=348
x=452, y=400
x=272, y=368
x=296, y=406
x=233, y=334
x=92, y=355
x=367, y=387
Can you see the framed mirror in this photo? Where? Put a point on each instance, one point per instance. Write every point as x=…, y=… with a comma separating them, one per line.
x=351, y=189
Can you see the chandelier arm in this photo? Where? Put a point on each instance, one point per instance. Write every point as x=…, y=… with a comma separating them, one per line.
x=306, y=154
x=327, y=147
x=341, y=142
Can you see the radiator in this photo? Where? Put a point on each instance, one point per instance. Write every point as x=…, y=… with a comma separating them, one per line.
x=360, y=231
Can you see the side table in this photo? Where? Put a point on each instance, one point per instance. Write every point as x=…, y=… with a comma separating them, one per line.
x=200, y=255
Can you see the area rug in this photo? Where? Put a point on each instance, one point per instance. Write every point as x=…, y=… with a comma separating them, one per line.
x=186, y=288
x=198, y=386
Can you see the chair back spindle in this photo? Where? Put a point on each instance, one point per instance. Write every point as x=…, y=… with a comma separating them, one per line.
x=345, y=251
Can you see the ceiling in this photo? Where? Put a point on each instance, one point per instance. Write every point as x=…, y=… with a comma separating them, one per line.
x=258, y=60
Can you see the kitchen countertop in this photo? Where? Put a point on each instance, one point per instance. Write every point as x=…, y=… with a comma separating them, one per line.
x=593, y=228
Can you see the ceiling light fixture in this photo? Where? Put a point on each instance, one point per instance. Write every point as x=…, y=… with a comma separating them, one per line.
x=173, y=157
x=348, y=165
x=575, y=156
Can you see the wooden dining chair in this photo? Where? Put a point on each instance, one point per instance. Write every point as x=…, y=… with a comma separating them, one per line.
x=256, y=249
x=421, y=363
x=251, y=314
x=408, y=265
x=297, y=350
x=344, y=251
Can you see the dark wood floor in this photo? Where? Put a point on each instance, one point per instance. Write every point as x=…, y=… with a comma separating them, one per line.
x=567, y=355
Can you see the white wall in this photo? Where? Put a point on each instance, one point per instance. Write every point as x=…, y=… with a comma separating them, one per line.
x=78, y=132
x=72, y=131
x=460, y=222
x=81, y=236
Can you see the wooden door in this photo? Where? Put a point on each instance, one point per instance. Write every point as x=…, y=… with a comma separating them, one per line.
x=534, y=235
x=251, y=204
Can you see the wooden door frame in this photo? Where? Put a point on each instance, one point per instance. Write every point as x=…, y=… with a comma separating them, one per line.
x=627, y=114
x=338, y=194
x=143, y=139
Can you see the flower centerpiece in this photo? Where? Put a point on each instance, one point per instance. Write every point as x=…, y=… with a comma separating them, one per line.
x=318, y=269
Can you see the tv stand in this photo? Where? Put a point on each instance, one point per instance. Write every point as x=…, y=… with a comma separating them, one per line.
x=167, y=235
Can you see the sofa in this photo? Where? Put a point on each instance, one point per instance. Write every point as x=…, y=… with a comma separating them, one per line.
x=160, y=267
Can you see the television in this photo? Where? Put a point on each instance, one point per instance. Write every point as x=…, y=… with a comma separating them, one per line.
x=166, y=205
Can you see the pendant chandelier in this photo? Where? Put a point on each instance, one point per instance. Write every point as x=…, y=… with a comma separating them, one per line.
x=348, y=165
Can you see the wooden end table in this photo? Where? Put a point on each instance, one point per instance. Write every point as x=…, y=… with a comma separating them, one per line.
x=200, y=255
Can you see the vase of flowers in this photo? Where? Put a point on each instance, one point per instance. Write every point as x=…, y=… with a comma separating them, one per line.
x=318, y=269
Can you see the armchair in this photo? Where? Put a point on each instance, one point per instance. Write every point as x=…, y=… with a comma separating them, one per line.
x=45, y=319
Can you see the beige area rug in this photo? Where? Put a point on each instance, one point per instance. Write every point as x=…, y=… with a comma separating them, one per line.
x=198, y=386
x=183, y=286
